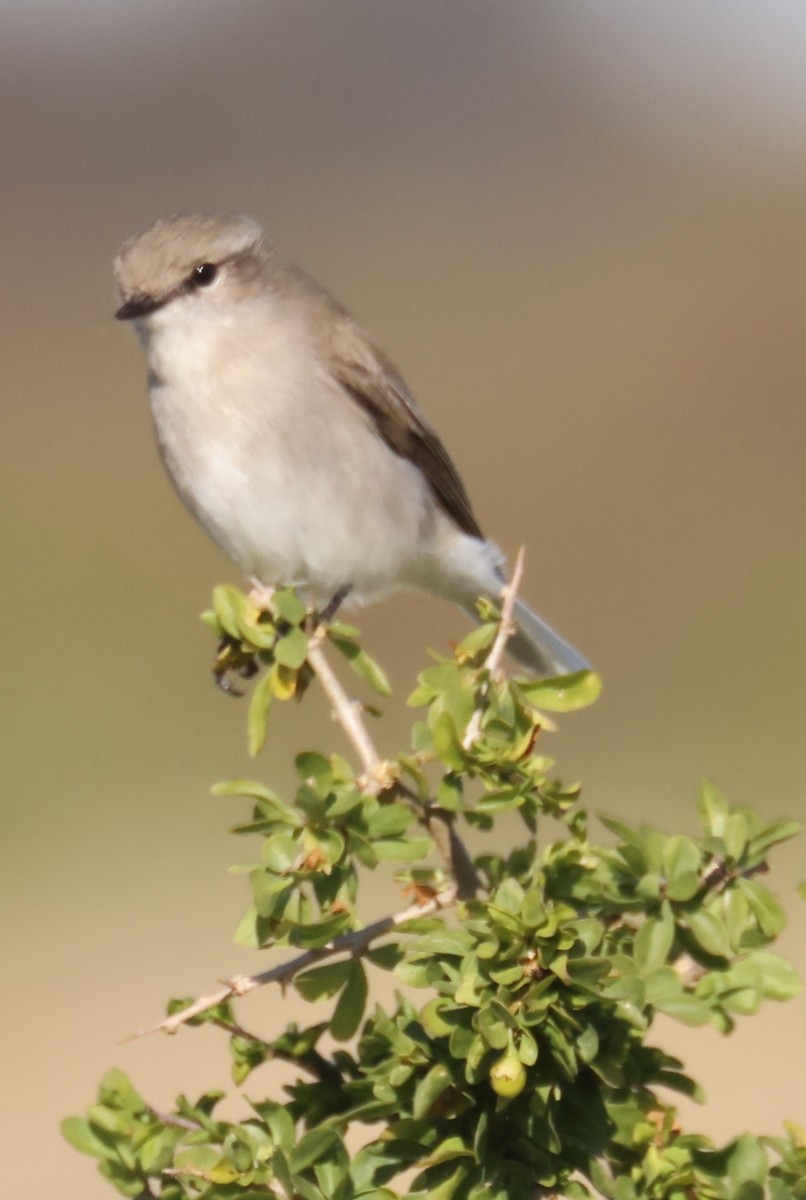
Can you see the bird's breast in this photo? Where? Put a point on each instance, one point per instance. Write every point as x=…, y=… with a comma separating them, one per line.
x=281, y=466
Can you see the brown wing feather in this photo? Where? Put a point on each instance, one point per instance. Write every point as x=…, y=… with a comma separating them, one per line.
x=374, y=383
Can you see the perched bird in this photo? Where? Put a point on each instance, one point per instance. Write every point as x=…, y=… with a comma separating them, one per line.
x=291, y=436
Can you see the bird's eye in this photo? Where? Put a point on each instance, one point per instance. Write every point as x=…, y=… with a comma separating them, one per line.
x=204, y=275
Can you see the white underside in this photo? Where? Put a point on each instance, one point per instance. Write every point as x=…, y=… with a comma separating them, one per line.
x=290, y=477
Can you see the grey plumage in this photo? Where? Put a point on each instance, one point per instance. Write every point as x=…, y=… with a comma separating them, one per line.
x=292, y=437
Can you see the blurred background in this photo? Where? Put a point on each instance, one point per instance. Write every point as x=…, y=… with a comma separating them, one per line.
x=581, y=232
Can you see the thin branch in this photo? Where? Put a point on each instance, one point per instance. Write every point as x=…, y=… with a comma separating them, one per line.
x=348, y=716
x=442, y=827
x=378, y=777
x=236, y=1030
x=176, y=1121
x=356, y=942
x=506, y=628
x=311, y=1061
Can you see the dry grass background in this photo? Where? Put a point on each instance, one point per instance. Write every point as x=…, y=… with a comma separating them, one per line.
x=580, y=230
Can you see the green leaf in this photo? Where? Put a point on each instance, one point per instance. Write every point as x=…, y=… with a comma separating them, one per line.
x=212, y=622
x=449, y=793
x=779, y=979
x=653, y=941
x=463, y=1041
x=116, y=1089
x=479, y=639
x=446, y=740
x=433, y=1021
x=533, y=909
x=451, y=1148
x=223, y=1171
x=502, y=800
x=737, y=916
x=772, y=835
x=493, y=1023
x=509, y=897
x=587, y=1044
x=198, y=1158
x=364, y=666
x=750, y=1190
x=687, y=1009
x=527, y=1048
x=287, y=605
x=315, y=769
x=83, y=1137
x=343, y=630
x=632, y=838
x=349, y=1011
x=250, y=931
x=403, y=850
x=764, y=907
x=389, y=820
x=230, y=606
x=320, y=983
x=258, y=629
x=748, y=1162
x=292, y=649
x=156, y=1153
x=331, y=1173
x=681, y=864
x=709, y=933
x=313, y=1147
x=563, y=693
x=713, y=808
x=664, y=991
x=446, y=1189
x=468, y=990
x=344, y=802
x=444, y=942
x=258, y=718
x=319, y=933
x=735, y=836
x=280, y=852
x=508, y=976
x=429, y=1089
x=282, y=681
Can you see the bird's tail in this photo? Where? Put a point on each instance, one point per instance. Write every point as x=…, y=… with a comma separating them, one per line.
x=467, y=567
x=538, y=647
x=535, y=644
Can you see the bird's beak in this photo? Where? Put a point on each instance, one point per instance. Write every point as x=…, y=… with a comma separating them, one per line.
x=138, y=306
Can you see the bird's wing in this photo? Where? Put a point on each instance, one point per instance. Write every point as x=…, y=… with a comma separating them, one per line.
x=375, y=384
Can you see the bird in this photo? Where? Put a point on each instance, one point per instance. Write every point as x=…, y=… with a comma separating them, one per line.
x=293, y=439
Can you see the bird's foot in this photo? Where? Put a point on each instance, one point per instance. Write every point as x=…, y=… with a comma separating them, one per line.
x=260, y=594
x=334, y=604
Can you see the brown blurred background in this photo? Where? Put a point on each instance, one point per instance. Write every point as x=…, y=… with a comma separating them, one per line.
x=581, y=231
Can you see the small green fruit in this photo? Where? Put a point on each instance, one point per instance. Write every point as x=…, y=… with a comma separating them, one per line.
x=508, y=1074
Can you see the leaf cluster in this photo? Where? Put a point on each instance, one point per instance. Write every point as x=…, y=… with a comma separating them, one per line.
x=252, y=636
x=518, y=1063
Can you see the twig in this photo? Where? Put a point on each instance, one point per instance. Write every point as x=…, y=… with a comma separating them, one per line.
x=506, y=628
x=377, y=777
x=348, y=717
x=356, y=942
x=177, y=1121
x=442, y=827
